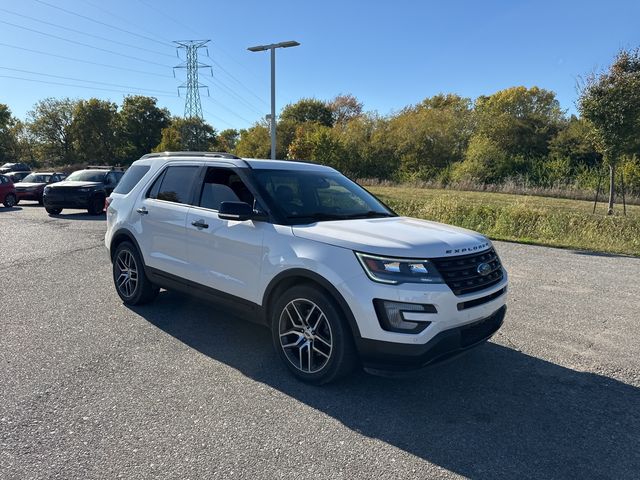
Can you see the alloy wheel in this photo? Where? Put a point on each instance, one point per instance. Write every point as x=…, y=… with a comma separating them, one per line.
x=127, y=273
x=305, y=335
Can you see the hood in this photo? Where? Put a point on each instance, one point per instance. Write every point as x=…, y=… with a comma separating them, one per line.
x=72, y=183
x=395, y=236
x=24, y=186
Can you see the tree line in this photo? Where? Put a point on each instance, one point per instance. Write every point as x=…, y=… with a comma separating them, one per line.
x=518, y=133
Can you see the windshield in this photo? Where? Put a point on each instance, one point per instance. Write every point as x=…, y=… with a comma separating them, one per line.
x=36, y=178
x=306, y=196
x=86, y=176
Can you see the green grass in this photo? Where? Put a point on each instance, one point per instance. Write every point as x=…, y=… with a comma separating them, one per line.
x=528, y=219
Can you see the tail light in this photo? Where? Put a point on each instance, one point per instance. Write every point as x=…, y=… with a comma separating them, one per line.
x=107, y=202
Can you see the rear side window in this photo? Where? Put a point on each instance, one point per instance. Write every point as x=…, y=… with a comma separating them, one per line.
x=175, y=184
x=131, y=178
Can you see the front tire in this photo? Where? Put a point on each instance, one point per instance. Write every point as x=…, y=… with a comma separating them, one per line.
x=129, y=278
x=10, y=200
x=311, y=336
x=96, y=207
x=53, y=211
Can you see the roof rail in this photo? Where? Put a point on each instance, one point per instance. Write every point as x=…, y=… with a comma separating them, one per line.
x=103, y=167
x=191, y=154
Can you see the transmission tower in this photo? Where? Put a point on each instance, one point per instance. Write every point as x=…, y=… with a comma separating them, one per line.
x=192, y=105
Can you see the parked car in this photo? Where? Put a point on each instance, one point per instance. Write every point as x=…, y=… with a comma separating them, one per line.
x=336, y=274
x=32, y=186
x=7, y=192
x=86, y=188
x=14, y=167
x=17, y=176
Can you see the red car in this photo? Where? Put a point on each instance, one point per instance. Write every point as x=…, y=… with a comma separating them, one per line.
x=7, y=192
x=32, y=186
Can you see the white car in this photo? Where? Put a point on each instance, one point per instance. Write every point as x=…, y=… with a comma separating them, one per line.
x=339, y=278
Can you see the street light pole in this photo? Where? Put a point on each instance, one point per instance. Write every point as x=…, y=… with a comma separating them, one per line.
x=272, y=47
x=273, y=103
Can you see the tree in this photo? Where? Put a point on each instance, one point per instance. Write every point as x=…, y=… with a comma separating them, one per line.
x=318, y=143
x=228, y=139
x=344, y=108
x=50, y=124
x=188, y=134
x=520, y=121
x=139, y=127
x=93, y=131
x=610, y=102
x=8, y=141
x=308, y=110
x=574, y=142
x=431, y=135
x=254, y=142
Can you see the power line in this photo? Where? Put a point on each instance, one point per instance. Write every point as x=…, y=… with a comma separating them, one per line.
x=150, y=90
x=188, y=27
x=89, y=62
x=129, y=22
x=216, y=82
x=85, y=33
x=238, y=81
x=228, y=110
x=192, y=30
x=69, y=85
x=217, y=118
x=102, y=23
x=84, y=44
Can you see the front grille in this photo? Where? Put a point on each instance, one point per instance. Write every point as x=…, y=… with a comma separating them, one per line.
x=461, y=274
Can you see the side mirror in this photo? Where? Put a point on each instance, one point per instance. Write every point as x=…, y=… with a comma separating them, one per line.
x=238, y=211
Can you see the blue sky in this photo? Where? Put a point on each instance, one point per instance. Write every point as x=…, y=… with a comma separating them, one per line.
x=388, y=54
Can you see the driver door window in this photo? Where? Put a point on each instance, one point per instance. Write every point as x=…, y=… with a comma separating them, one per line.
x=223, y=185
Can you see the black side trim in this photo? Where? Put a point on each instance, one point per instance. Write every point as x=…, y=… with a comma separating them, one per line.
x=251, y=311
x=324, y=283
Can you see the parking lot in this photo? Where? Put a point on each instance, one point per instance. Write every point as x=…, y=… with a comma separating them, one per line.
x=178, y=389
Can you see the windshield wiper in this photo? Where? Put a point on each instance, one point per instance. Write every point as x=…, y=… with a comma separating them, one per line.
x=369, y=214
x=319, y=216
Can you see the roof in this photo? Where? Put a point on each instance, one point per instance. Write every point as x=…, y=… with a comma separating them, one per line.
x=256, y=163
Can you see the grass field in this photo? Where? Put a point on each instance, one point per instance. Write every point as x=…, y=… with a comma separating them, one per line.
x=528, y=219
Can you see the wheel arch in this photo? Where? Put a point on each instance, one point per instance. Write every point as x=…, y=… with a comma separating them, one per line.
x=120, y=236
x=296, y=276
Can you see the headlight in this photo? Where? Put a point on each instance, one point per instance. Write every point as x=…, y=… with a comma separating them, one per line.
x=46, y=190
x=399, y=270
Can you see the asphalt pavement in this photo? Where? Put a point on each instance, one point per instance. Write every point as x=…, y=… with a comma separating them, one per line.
x=180, y=389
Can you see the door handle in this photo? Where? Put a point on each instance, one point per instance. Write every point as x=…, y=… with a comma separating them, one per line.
x=200, y=224
x=142, y=211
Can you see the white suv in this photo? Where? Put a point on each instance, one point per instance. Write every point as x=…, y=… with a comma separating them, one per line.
x=338, y=277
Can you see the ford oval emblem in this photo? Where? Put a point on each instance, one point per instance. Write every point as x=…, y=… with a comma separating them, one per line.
x=484, y=269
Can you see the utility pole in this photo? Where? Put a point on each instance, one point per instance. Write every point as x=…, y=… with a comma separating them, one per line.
x=192, y=104
x=272, y=117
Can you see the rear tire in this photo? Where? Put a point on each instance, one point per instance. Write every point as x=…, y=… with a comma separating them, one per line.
x=129, y=277
x=10, y=200
x=53, y=211
x=311, y=335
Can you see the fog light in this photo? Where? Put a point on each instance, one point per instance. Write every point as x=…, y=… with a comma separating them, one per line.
x=392, y=318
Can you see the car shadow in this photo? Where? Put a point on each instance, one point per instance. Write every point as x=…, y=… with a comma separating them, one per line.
x=603, y=254
x=9, y=209
x=494, y=413
x=79, y=216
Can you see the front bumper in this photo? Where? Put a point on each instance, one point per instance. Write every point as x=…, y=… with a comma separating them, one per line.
x=394, y=359
x=53, y=200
